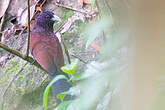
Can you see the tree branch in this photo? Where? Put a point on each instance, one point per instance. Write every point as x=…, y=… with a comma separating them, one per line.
x=24, y=57
x=85, y=62
x=61, y=27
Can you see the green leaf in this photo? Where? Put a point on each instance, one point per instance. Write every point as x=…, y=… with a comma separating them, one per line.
x=76, y=77
x=46, y=92
x=92, y=5
x=61, y=96
x=64, y=105
x=70, y=69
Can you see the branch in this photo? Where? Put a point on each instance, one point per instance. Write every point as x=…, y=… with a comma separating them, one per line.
x=79, y=58
x=61, y=27
x=73, y=9
x=15, y=52
x=65, y=48
x=63, y=41
x=43, y=3
x=27, y=51
x=24, y=57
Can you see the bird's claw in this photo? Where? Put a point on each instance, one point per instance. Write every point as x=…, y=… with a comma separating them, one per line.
x=32, y=62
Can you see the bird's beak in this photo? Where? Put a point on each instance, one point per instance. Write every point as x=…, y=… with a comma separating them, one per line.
x=56, y=18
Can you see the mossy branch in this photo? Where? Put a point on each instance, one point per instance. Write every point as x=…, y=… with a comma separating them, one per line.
x=24, y=57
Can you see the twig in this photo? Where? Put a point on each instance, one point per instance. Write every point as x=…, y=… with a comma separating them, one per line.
x=27, y=51
x=63, y=42
x=3, y=18
x=42, y=3
x=2, y=21
x=79, y=59
x=35, y=14
x=38, y=11
x=8, y=86
x=65, y=48
x=73, y=9
x=15, y=52
x=61, y=27
x=91, y=65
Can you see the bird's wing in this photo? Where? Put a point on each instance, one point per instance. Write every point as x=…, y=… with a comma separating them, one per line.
x=47, y=51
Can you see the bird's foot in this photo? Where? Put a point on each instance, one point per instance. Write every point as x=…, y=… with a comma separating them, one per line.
x=32, y=62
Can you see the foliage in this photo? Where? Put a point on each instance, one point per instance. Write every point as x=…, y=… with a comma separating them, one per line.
x=70, y=69
x=61, y=96
x=46, y=92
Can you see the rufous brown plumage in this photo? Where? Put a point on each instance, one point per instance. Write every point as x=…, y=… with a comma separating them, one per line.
x=47, y=51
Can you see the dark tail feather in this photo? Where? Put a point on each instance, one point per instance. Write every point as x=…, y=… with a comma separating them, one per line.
x=60, y=86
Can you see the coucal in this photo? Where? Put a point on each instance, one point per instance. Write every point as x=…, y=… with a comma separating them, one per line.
x=47, y=51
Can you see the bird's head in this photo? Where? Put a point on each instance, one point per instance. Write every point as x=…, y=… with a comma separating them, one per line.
x=46, y=20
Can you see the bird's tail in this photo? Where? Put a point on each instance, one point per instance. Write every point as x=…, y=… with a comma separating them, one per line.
x=61, y=85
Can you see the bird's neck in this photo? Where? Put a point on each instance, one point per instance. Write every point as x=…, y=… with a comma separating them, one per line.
x=44, y=28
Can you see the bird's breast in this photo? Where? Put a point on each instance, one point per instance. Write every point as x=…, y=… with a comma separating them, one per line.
x=45, y=41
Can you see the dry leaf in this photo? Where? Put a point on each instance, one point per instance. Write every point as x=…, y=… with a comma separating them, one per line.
x=3, y=60
x=71, y=20
x=3, y=6
x=87, y=1
x=14, y=30
x=23, y=15
x=81, y=2
x=5, y=35
x=58, y=35
x=95, y=46
x=35, y=9
x=57, y=1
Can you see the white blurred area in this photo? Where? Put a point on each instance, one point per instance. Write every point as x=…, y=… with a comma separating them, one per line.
x=145, y=20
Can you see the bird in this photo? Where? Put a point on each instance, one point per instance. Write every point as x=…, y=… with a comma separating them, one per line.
x=47, y=51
